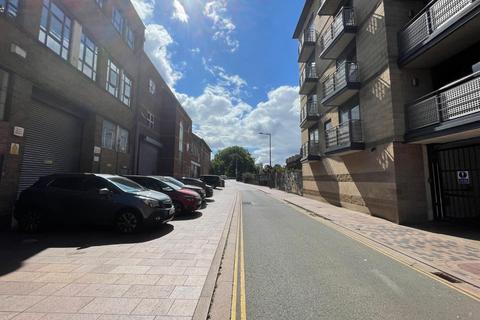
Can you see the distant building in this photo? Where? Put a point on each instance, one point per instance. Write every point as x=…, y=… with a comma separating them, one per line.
x=200, y=157
x=390, y=106
x=79, y=94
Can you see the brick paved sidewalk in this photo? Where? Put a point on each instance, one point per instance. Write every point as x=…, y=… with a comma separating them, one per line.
x=457, y=256
x=101, y=275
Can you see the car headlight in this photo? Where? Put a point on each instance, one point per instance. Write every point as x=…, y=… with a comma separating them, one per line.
x=152, y=203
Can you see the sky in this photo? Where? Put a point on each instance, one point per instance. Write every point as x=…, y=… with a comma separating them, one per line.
x=232, y=65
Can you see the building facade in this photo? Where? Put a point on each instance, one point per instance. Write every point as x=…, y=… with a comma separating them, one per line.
x=76, y=93
x=200, y=157
x=390, y=106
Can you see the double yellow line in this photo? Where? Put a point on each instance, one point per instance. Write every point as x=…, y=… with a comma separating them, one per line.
x=239, y=272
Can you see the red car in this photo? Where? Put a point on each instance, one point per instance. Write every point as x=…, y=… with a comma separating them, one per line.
x=184, y=200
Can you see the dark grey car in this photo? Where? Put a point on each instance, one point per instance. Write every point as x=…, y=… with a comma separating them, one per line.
x=91, y=199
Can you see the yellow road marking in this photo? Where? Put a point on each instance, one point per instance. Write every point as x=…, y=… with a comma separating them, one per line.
x=233, y=315
x=384, y=252
x=243, y=303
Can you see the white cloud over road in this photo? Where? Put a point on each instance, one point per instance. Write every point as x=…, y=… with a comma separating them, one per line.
x=222, y=25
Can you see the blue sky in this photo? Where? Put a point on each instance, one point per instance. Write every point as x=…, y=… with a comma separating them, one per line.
x=232, y=64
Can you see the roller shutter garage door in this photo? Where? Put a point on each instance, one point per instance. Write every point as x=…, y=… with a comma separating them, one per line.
x=148, y=161
x=52, y=144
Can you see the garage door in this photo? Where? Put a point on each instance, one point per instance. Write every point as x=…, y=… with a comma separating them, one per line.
x=148, y=161
x=52, y=144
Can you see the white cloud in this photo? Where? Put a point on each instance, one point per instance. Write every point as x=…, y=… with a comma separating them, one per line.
x=157, y=41
x=179, y=12
x=232, y=82
x=144, y=8
x=223, y=26
x=224, y=120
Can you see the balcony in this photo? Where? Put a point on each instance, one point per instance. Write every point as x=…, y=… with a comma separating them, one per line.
x=307, y=43
x=308, y=79
x=448, y=114
x=309, y=115
x=335, y=39
x=442, y=29
x=344, y=139
x=311, y=151
x=328, y=7
x=341, y=85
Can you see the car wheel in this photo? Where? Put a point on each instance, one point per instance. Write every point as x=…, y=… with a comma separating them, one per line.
x=30, y=221
x=178, y=207
x=128, y=222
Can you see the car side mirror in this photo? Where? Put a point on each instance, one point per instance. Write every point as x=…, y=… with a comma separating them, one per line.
x=104, y=192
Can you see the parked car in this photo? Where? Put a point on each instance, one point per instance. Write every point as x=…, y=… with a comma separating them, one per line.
x=91, y=198
x=199, y=190
x=199, y=183
x=184, y=200
x=214, y=181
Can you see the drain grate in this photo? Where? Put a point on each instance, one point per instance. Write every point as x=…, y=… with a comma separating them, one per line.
x=446, y=277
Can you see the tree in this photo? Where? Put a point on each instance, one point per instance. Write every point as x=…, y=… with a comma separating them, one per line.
x=233, y=162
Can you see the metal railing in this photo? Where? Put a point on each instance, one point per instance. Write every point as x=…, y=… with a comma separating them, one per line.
x=455, y=100
x=311, y=148
x=346, y=73
x=344, y=134
x=309, y=72
x=308, y=35
x=344, y=18
x=429, y=20
x=308, y=110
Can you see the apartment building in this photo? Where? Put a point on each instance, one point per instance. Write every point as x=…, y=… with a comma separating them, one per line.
x=77, y=93
x=390, y=106
x=200, y=157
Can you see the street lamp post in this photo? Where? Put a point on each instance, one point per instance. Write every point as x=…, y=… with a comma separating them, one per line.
x=270, y=144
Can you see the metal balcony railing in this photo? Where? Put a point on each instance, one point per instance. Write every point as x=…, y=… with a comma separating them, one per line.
x=344, y=135
x=311, y=148
x=309, y=35
x=344, y=18
x=310, y=109
x=453, y=101
x=345, y=74
x=430, y=19
x=308, y=73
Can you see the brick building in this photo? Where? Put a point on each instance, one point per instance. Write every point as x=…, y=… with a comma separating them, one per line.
x=200, y=157
x=76, y=94
x=390, y=106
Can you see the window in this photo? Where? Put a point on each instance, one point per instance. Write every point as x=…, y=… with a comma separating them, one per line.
x=180, y=137
x=118, y=20
x=151, y=86
x=150, y=119
x=3, y=92
x=10, y=7
x=108, y=135
x=349, y=113
x=113, y=78
x=55, y=29
x=313, y=135
x=67, y=183
x=129, y=36
x=87, y=62
x=100, y=3
x=95, y=184
x=122, y=145
x=327, y=125
x=126, y=94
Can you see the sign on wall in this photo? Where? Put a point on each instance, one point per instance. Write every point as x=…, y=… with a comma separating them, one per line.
x=463, y=177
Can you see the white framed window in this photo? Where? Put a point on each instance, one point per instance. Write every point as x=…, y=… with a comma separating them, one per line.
x=55, y=29
x=87, y=62
x=126, y=94
x=113, y=78
x=151, y=86
x=10, y=7
x=180, y=137
x=108, y=134
x=150, y=119
x=129, y=36
x=122, y=141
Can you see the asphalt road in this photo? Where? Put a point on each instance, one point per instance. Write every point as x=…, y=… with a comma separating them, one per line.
x=298, y=268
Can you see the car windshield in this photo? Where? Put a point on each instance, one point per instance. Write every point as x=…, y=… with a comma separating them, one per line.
x=170, y=184
x=175, y=182
x=126, y=185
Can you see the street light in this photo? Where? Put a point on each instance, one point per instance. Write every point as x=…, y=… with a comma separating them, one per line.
x=270, y=143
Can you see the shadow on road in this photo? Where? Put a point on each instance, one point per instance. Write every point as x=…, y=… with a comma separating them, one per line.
x=16, y=247
x=209, y=200
x=188, y=216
